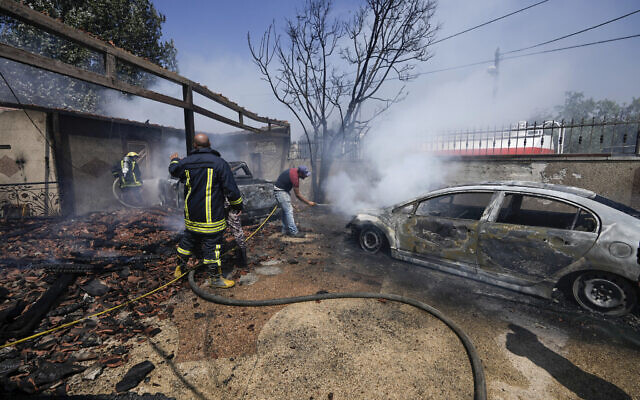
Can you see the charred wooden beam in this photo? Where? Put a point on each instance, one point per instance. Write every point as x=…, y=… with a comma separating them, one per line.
x=111, y=53
x=226, y=120
x=63, y=68
x=110, y=66
x=29, y=320
x=189, y=123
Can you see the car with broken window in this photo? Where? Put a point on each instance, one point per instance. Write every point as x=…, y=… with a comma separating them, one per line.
x=525, y=236
x=257, y=194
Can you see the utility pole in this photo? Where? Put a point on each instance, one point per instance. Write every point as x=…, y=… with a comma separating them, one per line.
x=495, y=70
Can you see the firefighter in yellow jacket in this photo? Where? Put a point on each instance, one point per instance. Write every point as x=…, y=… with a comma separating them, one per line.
x=208, y=180
x=130, y=178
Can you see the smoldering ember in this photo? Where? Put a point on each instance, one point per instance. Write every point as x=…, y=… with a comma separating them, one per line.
x=427, y=226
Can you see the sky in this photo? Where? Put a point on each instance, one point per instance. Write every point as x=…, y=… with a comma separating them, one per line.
x=211, y=38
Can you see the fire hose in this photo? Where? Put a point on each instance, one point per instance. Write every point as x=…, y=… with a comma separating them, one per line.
x=116, y=184
x=131, y=301
x=479, y=383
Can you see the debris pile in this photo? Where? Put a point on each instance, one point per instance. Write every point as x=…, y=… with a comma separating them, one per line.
x=54, y=272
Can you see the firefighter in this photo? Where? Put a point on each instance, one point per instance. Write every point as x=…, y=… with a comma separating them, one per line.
x=130, y=177
x=208, y=180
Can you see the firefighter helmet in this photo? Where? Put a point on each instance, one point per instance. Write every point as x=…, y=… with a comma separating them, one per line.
x=132, y=154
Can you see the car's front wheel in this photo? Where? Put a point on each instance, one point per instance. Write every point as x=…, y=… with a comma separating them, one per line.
x=604, y=293
x=371, y=239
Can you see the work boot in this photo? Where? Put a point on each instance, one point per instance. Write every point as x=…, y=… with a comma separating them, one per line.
x=219, y=281
x=182, y=265
x=244, y=262
x=296, y=235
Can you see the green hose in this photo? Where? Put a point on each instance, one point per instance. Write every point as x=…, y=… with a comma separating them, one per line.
x=479, y=383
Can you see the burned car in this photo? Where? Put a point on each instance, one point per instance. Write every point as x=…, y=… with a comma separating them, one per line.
x=257, y=194
x=528, y=237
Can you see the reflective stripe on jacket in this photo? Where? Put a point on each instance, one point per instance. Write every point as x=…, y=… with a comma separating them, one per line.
x=207, y=181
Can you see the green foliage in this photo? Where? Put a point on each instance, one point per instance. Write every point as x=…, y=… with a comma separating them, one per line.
x=133, y=25
x=576, y=107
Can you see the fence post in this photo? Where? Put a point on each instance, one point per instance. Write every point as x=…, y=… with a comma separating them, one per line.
x=580, y=135
x=569, y=141
x=613, y=134
x=638, y=140
x=550, y=137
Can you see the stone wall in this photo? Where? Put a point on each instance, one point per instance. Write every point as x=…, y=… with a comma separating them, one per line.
x=617, y=178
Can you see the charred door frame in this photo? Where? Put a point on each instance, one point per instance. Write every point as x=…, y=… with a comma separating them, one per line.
x=471, y=263
x=62, y=160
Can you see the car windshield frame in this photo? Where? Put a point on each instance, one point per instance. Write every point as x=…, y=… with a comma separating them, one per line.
x=416, y=201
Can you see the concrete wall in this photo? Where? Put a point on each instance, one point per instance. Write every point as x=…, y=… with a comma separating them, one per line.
x=96, y=144
x=89, y=146
x=265, y=153
x=25, y=162
x=617, y=178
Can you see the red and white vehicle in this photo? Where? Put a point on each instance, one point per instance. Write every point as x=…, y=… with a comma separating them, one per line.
x=546, y=138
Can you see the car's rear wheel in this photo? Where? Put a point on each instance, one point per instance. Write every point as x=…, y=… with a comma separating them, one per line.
x=604, y=293
x=371, y=239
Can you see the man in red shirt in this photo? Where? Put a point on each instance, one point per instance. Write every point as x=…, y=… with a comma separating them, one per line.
x=287, y=180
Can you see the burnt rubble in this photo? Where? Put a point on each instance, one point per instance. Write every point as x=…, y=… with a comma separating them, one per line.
x=57, y=271
x=134, y=376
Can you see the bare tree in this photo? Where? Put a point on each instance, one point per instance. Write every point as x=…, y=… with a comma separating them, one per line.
x=325, y=69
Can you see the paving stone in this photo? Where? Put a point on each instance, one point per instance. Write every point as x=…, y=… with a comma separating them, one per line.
x=92, y=372
x=268, y=270
x=248, y=279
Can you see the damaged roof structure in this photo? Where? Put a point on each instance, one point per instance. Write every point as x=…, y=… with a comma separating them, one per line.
x=81, y=147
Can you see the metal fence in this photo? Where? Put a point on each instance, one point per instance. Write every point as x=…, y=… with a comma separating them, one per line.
x=348, y=150
x=589, y=137
x=618, y=137
x=31, y=199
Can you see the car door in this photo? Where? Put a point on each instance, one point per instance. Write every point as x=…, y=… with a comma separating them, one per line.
x=532, y=237
x=445, y=226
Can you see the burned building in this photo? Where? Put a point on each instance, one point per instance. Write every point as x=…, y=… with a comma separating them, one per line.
x=55, y=162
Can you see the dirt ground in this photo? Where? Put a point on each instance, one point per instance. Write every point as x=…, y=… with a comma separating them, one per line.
x=531, y=348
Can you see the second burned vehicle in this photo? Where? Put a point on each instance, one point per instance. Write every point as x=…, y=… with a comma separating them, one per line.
x=257, y=194
x=524, y=236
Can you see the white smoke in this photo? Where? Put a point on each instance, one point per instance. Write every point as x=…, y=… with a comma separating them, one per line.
x=233, y=77
x=395, y=165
